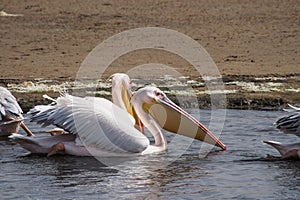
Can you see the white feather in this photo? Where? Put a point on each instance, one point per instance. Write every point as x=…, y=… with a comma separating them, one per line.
x=97, y=121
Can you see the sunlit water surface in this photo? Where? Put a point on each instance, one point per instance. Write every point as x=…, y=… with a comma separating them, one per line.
x=237, y=173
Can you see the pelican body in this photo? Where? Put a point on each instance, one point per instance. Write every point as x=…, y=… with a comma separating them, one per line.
x=101, y=128
x=290, y=123
x=10, y=114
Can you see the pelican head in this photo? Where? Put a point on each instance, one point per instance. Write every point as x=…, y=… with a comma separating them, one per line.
x=151, y=104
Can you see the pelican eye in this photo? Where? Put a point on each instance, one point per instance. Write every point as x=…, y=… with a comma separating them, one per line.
x=159, y=94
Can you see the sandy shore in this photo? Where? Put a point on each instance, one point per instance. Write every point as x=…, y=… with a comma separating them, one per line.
x=246, y=40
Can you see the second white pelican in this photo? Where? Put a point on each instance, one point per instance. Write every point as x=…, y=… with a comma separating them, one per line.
x=99, y=127
x=10, y=114
x=289, y=124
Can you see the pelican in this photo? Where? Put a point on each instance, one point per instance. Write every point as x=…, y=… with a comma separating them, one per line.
x=286, y=151
x=290, y=124
x=10, y=114
x=98, y=127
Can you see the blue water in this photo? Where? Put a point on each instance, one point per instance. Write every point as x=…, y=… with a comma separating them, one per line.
x=237, y=173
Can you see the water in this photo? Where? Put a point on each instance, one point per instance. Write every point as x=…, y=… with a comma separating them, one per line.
x=237, y=173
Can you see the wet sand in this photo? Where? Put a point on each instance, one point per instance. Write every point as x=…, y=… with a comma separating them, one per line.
x=246, y=40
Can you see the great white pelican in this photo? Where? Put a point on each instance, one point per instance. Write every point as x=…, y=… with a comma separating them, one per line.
x=99, y=127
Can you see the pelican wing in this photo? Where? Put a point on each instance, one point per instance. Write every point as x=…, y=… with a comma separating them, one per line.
x=9, y=105
x=99, y=123
x=292, y=108
x=290, y=123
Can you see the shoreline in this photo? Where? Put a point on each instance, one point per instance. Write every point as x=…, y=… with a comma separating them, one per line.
x=265, y=101
x=240, y=92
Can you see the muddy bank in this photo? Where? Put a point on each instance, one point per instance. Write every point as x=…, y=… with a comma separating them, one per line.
x=50, y=39
x=255, y=46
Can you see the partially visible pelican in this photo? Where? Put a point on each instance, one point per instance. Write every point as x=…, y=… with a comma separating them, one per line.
x=287, y=150
x=10, y=114
x=99, y=127
x=290, y=123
